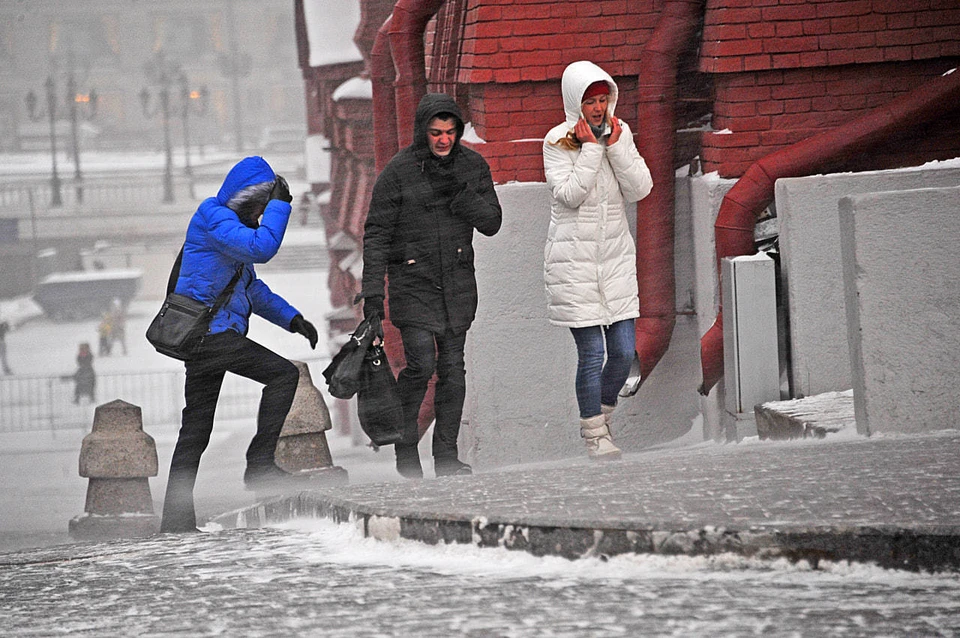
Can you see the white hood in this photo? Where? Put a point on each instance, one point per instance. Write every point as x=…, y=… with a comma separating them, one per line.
x=576, y=78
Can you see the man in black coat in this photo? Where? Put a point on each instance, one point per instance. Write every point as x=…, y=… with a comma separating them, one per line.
x=419, y=233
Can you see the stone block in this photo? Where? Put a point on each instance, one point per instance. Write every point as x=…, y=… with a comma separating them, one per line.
x=118, y=458
x=302, y=447
x=902, y=292
x=117, y=446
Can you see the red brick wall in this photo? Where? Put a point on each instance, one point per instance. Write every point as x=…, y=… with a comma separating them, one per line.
x=784, y=69
x=758, y=35
x=769, y=110
x=512, y=55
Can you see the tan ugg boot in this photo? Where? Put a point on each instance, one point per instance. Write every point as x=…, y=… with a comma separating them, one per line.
x=597, y=437
x=607, y=412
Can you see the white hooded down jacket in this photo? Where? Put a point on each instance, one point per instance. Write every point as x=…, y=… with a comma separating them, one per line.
x=590, y=269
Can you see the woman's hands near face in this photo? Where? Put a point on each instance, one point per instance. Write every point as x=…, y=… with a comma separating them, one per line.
x=616, y=130
x=583, y=132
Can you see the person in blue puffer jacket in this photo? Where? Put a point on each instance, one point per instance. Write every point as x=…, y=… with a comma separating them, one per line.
x=243, y=225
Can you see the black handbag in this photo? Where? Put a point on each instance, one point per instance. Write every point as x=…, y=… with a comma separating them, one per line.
x=179, y=328
x=378, y=401
x=343, y=373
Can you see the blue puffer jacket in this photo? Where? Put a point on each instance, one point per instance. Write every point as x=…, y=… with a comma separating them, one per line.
x=218, y=242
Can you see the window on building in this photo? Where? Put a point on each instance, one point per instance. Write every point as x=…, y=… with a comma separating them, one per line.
x=183, y=35
x=84, y=38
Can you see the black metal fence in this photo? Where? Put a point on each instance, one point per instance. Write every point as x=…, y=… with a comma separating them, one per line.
x=32, y=403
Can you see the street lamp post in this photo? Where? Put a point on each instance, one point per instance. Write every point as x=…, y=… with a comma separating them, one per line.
x=74, y=101
x=163, y=108
x=56, y=199
x=190, y=100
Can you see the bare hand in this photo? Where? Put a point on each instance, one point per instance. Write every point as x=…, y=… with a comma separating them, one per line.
x=617, y=130
x=583, y=132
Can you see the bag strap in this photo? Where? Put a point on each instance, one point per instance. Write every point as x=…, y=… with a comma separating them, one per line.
x=221, y=299
x=175, y=272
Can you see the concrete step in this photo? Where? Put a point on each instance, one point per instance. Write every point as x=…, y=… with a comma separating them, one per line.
x=814, y=416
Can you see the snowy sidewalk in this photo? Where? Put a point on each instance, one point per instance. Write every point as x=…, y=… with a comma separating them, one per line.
x=894, y=501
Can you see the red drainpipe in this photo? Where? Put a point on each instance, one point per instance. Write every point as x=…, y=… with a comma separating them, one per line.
x=676, y=26
x=406, y=29
x=382, y=75
x=750, y=195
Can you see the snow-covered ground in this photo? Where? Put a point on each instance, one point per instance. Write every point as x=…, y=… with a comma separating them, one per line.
x=316, y=578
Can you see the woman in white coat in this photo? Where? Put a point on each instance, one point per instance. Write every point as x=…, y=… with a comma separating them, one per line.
x=593, y=168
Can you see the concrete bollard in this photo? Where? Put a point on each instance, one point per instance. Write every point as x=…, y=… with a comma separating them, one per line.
x=302, y=448
x=117, y=457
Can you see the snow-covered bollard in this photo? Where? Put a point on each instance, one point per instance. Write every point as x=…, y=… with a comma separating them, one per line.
x=118, y=458
x=302, y=448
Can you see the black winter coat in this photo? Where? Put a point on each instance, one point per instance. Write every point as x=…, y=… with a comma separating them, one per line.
x=419, y=228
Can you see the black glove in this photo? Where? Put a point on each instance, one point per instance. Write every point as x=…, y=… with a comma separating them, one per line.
x=445, y=181
x=281, y=190
x=300, y=325
x=373, y=305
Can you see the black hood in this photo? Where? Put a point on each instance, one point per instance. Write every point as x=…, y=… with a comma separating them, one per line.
x=432, y=105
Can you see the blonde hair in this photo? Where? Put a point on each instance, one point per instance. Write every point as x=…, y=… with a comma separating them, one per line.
x=568, y=142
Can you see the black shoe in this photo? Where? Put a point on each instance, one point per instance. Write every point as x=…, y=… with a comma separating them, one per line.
x=408, y=463
x=178, y=530
x=269, y=477
x=410, y=469
x=451, y=467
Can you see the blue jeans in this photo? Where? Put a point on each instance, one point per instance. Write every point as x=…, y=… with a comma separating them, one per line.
x=599, y=383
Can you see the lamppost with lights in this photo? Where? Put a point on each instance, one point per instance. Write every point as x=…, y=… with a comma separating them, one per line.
x=74, y=102
x=190, y=100
x=36, y=116
x=162, y=107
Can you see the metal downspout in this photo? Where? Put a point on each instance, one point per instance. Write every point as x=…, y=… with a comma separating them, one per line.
x=657, y=89
x=736, y=219
x=406, y=29
x=382, y=75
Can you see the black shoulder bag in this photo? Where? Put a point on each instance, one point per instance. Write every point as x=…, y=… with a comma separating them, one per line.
x=179, y=328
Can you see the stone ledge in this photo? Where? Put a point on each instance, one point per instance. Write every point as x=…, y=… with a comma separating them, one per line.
x=923, y=548
x=809, y=417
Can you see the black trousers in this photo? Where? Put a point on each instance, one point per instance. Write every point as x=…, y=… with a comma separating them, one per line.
x=425, y=352
x=224, y=352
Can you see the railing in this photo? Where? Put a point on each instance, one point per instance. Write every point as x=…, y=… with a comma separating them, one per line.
x=100, y=194
x=33, y=403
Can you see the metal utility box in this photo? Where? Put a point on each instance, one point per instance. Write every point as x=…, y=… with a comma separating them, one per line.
x=750, y=361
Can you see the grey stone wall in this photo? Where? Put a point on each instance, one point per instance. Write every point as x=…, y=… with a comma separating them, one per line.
x=902, y=292
x=521, y=406
x=812, y=269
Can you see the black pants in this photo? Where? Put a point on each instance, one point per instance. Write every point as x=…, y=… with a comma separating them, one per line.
x=224, y=352
x=425, y=352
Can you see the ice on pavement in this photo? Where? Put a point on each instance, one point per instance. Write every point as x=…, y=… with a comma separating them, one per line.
x=316, y=577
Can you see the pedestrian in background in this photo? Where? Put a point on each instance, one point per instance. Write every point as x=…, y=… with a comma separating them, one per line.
x=244, y=224
x=118, y=325
x=419, y=233
x=593, y=168
x=4, y=329
x=85, y=378
x=105, y=334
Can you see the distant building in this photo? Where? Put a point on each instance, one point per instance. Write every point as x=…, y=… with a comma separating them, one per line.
x=243, y=52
